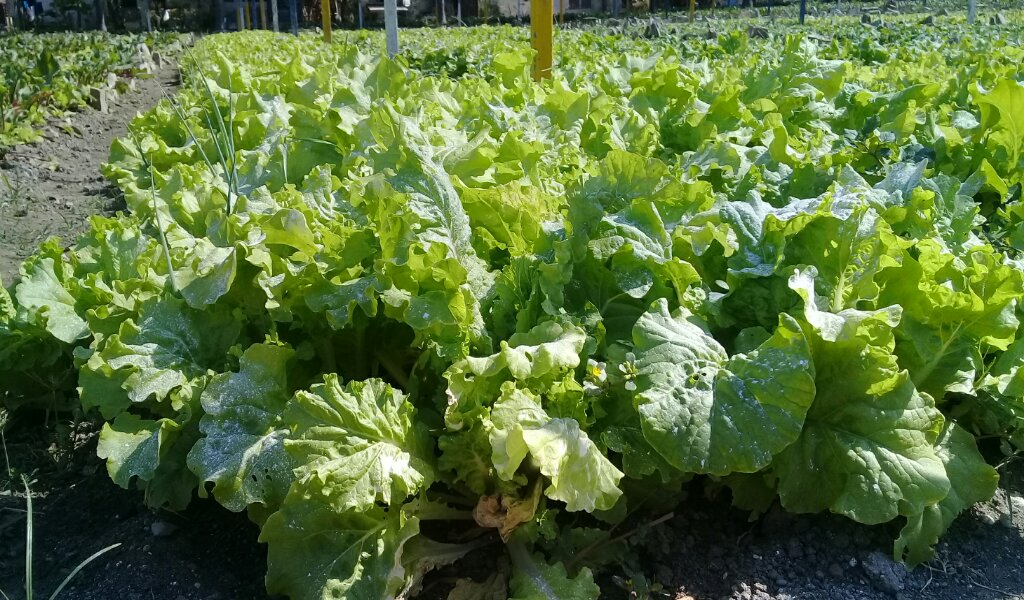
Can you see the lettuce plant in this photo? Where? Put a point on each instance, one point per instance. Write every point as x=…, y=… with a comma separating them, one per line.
x=399, y=317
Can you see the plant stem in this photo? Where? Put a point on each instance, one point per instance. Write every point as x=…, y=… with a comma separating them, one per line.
x=600, y=544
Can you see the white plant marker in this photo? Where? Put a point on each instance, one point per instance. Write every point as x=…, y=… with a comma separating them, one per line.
x=391, y=26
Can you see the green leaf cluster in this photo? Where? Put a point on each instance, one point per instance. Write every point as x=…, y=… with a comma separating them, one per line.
x=357, y=296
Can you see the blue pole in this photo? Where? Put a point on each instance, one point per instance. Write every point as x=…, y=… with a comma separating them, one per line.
x=293, y=12
x=803, y=10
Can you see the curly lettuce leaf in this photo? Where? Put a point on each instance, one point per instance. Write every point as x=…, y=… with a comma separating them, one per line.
x=357, y=445
x=165, y=353
x=44, y=299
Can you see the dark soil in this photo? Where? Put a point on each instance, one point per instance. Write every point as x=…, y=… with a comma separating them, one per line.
x=51, y=188
x=707, y=551
x=203, y=553
x=711, y=551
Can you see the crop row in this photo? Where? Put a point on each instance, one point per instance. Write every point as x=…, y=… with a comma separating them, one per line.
x=389, y=307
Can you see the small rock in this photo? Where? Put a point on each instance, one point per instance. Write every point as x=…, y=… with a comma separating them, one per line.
x=836, y=570
x=929, y=20
x=162, y=529
x=743, y=593
x=988, y=517
x=883, y=573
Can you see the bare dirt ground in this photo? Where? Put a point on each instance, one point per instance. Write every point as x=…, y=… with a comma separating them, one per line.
x=708, y=551
x=50, y=188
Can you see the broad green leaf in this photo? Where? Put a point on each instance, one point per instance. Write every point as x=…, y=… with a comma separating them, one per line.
x=540, y=356
x=42, y=295
x=579, y=474
x=132, y=446
x=242, y=448
x=152, y=455
x=167, y=349
x=971, y=480
x=626, y=437
x=1002, y=116
x=956, y=309
x=319, y=553
x=207, y=274
x=431, y=202
x=1005, y=375
x=534, y=579
x=509, y=217
x=847, y=254
x=867, y=456
x=467, y=453
x=867, y=447
x=705, y=412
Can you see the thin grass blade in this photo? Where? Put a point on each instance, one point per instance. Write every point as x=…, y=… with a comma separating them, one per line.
x=81, y=566
x=28, y=539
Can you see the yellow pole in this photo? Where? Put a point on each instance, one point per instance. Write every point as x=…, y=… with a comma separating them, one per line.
x=541, y=18
x=325, y=11
x=561, y=12
x=693, y=9
x=248, y=15
x=263, y=14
